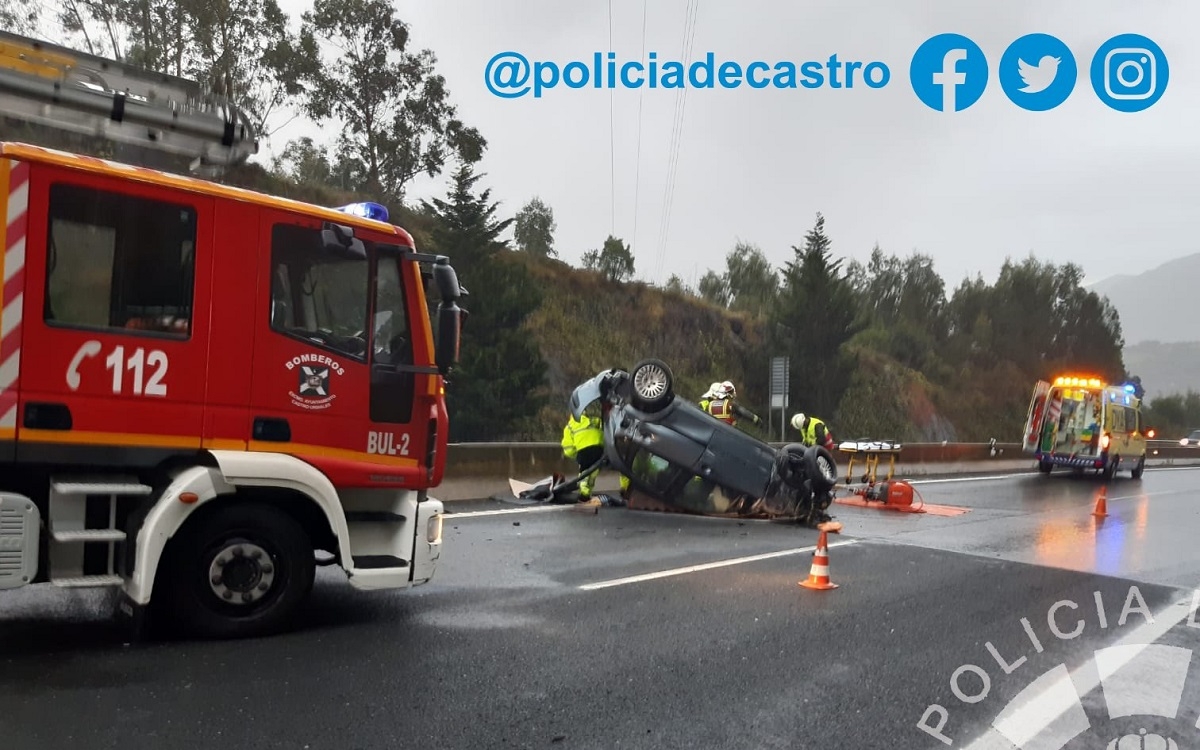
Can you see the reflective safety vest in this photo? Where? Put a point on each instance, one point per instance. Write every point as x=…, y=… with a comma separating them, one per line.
x=580, y=434
x=722, y=409
x=810, y=433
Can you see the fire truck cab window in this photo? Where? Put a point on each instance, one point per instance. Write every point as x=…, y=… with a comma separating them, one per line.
x=119, y=262
x=391, y=385
x=318, y=295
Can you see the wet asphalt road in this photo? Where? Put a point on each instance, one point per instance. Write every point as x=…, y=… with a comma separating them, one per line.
x=562, y=629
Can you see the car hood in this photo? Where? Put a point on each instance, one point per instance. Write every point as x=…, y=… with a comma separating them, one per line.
x=588, y=393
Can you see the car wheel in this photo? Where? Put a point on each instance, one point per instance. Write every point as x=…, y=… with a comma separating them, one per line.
x=791, y=467
x=821, y=469
x=1141, y=467
x=652, y=384
x=1110, y=469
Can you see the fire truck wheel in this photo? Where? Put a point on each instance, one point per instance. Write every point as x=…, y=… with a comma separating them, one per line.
x=239, y=571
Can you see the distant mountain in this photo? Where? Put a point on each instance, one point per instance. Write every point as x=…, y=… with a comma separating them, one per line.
x=1162, y=304
x=1165, y=368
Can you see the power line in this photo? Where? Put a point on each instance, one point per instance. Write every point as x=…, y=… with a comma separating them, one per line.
x=637, y=180
x=673, y=164
x=676, y=136
x=662, y=221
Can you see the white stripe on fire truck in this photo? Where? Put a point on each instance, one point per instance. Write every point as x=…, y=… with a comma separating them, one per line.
x=11, y=319
x=14, y=267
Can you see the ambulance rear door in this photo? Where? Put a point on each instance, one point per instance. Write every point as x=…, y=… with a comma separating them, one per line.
x=1033, y=419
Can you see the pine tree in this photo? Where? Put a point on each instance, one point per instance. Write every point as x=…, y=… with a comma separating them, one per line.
x=499, y=382
x=816, y=314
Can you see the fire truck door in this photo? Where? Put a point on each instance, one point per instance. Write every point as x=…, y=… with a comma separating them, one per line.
x=115, y=325
x=310, y=373
x=1033, y=420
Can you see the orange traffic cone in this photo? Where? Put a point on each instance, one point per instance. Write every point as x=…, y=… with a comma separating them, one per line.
x=1101, y=504
x=818, y=576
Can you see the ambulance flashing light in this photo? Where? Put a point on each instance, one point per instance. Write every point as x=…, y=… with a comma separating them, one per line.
x=1079, y=382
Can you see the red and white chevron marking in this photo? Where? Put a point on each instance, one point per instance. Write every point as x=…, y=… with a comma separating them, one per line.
x=17, y=222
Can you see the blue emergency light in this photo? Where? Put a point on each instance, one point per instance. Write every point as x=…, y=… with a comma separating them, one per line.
x=366, y=210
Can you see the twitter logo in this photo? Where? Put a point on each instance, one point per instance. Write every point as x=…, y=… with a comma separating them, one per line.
x=1038, y=72
x=1038, y=77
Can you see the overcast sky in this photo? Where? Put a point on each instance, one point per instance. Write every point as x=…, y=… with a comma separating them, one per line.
x=1111, y=191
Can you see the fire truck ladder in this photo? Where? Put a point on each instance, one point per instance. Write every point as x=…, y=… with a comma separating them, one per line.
x=61, y=88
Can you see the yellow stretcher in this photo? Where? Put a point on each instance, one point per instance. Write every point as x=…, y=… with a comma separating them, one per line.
x=873, y=450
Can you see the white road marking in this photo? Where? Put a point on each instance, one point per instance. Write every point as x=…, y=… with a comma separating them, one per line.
x=1033, y=712
x=972, y=479
x=508, y=511
x=708, y=566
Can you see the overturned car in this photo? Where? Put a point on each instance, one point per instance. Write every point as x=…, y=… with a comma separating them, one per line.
x=681, y=456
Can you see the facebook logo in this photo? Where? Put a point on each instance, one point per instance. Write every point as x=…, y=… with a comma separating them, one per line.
x=949, y=72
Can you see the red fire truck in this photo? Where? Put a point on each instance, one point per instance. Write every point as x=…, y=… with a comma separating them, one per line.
x=205, y=392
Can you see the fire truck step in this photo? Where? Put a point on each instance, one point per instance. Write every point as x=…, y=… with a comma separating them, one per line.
x=373, y=516
x=101, y=488
x=81, y=582
x=90, y=535
x=375, y=562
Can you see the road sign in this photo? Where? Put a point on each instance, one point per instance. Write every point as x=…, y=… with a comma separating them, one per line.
x=779, y=391
x=779, y=382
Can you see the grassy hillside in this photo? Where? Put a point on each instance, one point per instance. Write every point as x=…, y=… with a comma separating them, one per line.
x=587, y=324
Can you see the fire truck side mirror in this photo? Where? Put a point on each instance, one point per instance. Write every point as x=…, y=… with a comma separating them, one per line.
x=450, y=317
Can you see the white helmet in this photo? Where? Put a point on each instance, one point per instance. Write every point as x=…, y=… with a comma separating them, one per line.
x=798, y=421
x=728, y=389
x=713, y=390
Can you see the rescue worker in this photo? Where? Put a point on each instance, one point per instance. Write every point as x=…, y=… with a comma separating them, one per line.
x=812, y=431
x=724, y=405
x=709, y=395
x=583, y=440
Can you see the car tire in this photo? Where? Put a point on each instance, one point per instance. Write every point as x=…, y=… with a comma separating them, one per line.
x=821, y=469
x=1140, y=468
x=653, y=385
x=791, y=467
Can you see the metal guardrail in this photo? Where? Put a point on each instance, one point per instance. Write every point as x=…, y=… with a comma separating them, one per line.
x=477, y=460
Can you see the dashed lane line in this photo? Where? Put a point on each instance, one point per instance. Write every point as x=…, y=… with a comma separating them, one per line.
x=708, y=566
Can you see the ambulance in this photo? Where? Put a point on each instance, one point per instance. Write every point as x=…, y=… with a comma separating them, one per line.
x=205, y=392
x=1085, y=423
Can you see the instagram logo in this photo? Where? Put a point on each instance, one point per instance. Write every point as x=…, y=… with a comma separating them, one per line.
x=1129, y=73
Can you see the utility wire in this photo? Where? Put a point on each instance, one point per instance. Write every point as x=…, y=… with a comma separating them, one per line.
x=676, y=136
x=637, y=180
